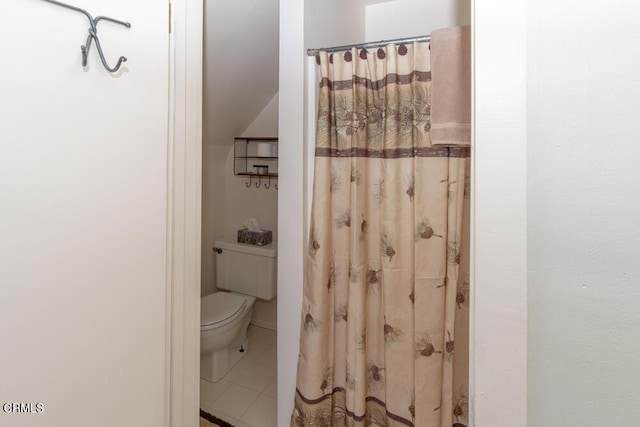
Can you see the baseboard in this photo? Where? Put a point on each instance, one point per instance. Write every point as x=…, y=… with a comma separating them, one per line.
x=263, y=323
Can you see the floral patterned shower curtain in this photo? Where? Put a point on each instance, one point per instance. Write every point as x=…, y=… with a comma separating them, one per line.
x=384, y=338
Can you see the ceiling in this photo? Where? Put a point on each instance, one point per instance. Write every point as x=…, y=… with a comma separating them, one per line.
x=240, y=64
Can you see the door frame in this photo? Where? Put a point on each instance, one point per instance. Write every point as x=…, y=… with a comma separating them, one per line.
x=184, y=183
x=498, y=368
x=498, y=359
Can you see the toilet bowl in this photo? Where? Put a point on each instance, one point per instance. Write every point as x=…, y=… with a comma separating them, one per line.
x=224, y=320
x=244, y=273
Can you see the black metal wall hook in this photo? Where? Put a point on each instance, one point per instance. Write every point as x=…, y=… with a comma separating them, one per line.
x=93, y=35
x=258, y=184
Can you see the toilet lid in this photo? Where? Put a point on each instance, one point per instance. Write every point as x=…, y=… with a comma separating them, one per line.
x=220, y=306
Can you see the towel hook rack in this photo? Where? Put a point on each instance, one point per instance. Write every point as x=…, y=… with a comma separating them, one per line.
x=93, y=36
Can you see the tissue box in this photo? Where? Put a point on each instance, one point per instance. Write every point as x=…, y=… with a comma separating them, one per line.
x=259, y=238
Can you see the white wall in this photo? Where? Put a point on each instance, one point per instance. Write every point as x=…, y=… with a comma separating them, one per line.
x=241, y=203
x=214, y=180
x=408, y=18
x=241, y=64
x=83, y=182
x=291, y=168
x=498, y=335
x=584, y=205
x=333, y=22
x=266, y=123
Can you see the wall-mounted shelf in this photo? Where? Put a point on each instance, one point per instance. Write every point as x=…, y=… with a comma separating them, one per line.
x=272, y=175
x=256, y=158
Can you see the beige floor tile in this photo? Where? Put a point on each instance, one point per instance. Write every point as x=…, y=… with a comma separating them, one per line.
x=210, y=392
x=235, y=401
x=269, y=357
x=237, y=370
x=256, y=348
x=256, y=377
x=263, y=412
x=272, y=388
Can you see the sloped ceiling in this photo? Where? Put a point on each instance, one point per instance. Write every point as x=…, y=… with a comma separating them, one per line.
x=240, y=65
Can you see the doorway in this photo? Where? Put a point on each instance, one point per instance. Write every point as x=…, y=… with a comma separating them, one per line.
x=240, y=191
x=497, y=231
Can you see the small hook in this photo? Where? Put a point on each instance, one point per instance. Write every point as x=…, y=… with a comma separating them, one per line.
x=259, y=182
x=94, y=35
x=269, y=185
x=248, y=184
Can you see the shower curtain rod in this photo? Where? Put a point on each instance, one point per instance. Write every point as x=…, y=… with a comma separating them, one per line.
x=313, y=52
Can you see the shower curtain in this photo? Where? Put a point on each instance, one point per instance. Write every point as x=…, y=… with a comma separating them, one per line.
x=384, y=337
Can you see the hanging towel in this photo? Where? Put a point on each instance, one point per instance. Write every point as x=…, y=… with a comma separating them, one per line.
x=451, y=86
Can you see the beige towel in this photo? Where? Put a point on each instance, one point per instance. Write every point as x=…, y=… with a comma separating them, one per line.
x=451, y=86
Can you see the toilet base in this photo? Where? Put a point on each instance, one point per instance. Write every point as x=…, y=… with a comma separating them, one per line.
x=215, y=365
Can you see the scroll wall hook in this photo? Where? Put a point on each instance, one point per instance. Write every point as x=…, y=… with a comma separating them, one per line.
x=93, y=36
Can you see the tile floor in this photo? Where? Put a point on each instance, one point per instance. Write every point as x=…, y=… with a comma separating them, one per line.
x=246, y=396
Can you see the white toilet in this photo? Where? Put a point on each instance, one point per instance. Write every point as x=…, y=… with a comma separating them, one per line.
x=247, y=272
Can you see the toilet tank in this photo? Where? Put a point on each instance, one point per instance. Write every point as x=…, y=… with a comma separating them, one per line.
x=247, y=269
